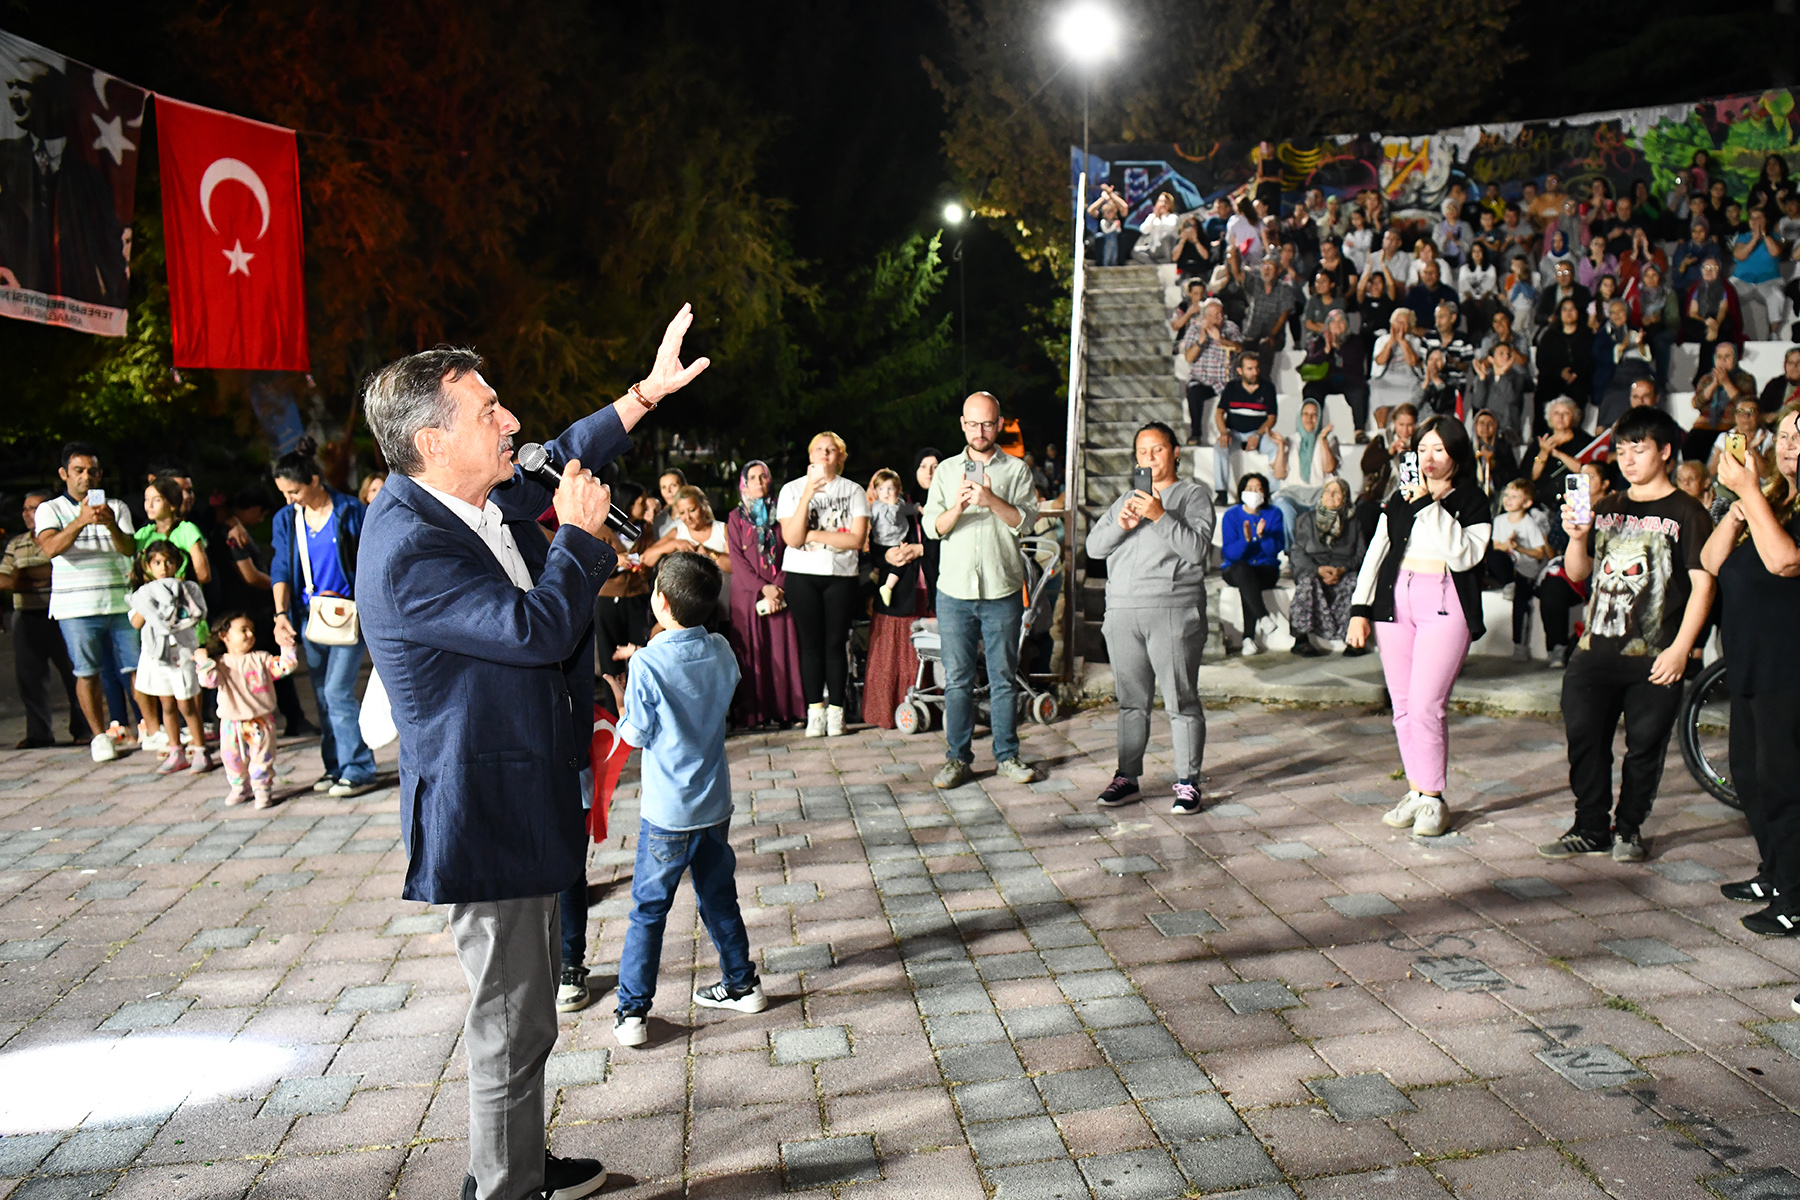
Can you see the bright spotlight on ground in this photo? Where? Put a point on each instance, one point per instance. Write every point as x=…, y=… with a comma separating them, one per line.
x=953, y=214
x=113, y=1081
x=1088, y=33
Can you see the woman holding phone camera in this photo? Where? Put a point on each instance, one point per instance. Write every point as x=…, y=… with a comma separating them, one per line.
x=1420, y=584
x=1755, y=553
x=824, y=521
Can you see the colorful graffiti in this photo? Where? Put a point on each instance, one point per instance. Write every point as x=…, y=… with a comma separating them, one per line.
x=1415, y=172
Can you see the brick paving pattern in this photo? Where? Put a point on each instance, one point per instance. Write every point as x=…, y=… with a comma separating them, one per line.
x=995, y=991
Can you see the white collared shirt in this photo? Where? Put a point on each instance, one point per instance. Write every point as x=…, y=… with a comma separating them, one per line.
x=491, y=528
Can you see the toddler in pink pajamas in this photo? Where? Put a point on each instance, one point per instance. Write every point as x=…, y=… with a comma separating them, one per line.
x=245, y=678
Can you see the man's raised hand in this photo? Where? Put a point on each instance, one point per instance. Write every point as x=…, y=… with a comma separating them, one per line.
x=668, y=375
x=581, y=500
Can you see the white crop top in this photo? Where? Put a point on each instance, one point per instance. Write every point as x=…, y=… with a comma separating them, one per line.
x=1435, y=534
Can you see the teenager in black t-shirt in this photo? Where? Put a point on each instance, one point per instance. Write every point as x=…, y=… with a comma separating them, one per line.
x=1648, y=600
x=1755, y=552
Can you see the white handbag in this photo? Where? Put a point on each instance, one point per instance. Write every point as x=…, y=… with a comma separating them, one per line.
x=331, y=620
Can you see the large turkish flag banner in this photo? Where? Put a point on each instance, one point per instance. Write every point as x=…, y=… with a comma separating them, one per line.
x=231, y=224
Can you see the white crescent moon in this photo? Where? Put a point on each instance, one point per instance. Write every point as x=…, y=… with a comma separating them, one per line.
x=232, y=168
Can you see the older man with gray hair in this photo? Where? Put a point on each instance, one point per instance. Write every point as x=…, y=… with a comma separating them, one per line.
x=483, y=635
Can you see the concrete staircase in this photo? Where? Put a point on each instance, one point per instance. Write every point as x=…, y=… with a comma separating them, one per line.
x=1129, y=382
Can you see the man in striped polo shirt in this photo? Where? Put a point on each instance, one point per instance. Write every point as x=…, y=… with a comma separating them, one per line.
x=90, y=548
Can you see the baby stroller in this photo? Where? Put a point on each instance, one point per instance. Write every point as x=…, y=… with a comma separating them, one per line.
x=924, y=703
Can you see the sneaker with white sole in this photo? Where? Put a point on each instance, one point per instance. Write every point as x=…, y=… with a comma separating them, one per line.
x=154, y=743
x=815, y=720
x=747, y=999
x=1251, y=647
x=1628, y=848
x=631, y=1029
x=834, y=720
x=1121, y=791
x=571, y=1178
x=1749, y=891
x=953, y=774
x=343, y=789
x=325, y=782
x=1018, y=770
x=1404, y=813
x=1576, y=842
x=1432, y=819
x=101, y=749
x=198, y=761
x=1187, y=798
x=572, y=993
x=174, y=760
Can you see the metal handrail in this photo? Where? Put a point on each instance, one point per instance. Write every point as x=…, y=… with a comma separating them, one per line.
x=1071, y=439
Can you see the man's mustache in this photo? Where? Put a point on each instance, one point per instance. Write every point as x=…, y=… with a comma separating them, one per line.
x=506, y=444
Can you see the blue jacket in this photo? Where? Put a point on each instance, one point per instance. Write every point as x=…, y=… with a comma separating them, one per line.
x=1264, y=551
x=284, y=563
x=492, y=687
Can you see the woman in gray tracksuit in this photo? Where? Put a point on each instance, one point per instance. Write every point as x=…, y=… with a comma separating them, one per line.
x=1155, y=545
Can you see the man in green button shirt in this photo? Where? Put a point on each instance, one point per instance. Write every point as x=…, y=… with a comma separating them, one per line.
x=980, y=504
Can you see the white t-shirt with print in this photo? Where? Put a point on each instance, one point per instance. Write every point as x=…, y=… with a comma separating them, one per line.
x=90, y=578
x=833, y=507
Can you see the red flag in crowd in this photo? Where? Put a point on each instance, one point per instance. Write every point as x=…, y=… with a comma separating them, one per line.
x=610, y=753
x=231, y=220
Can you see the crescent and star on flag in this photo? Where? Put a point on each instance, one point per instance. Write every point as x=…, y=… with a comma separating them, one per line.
x=218, y=172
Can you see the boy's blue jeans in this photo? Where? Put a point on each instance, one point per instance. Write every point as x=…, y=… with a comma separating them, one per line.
x=662, y=856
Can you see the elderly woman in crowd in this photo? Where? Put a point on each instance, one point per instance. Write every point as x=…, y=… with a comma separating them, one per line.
x=1253, y=538
x=1755, y=554
x=762, y=629
x=1155, y=545
x=824, y=521
x=1326, y=552
x=1398, y=372
x=1557, y=446
x=1305, y=461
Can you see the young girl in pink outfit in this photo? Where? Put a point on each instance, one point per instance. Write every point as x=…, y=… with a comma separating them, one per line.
x=245, y=678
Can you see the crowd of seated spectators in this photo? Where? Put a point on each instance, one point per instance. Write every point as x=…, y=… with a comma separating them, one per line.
x=1539, y=320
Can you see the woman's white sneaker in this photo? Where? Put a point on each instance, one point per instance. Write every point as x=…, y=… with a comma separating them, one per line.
x=101, y=749
x=834, y=721
x=1433, y=817
x=1404, y=813
x=815, y=720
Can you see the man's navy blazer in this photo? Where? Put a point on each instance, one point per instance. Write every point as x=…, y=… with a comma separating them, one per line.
x=492, y=687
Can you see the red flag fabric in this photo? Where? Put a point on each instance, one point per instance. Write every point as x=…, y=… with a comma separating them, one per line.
x=610, y=753
x=231, y=222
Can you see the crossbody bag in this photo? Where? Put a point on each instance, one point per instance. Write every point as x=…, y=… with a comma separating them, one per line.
x=331, y=620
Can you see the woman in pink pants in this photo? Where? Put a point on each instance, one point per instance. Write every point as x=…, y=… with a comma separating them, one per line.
x=1420, y=586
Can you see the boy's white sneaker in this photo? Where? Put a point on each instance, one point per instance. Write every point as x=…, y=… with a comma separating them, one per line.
x=101, y=749
x=154, y=743
x=631, y=1029
x=815, y=720
x=834, y=721
x=748, y=999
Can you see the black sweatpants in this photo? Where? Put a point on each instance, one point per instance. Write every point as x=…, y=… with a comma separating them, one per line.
x=1557, y=598
x=1197, y=396
x=1356, y=395
x=1765, y=770
x=822, y=607
x=1598, y=690
x=39, y=652
x=1250, y=581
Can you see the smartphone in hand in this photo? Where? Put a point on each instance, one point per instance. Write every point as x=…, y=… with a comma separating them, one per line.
x=1141, y=481
x=1577, y=491
x=96, y=497
x=1409, y=476
x=974, y=472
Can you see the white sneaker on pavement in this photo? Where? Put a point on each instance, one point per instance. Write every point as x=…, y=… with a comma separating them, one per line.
x=815, y=720
x=102, y=749
x=834, y=720
x=1433, y=817
x=1403, y=814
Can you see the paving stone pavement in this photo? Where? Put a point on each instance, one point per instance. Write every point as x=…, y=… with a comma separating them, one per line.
x=992, y=991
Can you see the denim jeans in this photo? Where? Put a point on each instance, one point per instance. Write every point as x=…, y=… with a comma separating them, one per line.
x=333, y=670
x=1222, y=480
x=995, y=624
x=662, y=856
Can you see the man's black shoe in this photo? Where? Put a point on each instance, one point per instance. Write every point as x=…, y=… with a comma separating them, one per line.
x=572, y=1178
x=1749, y=891
x=1777, y=920
x=1219, y=498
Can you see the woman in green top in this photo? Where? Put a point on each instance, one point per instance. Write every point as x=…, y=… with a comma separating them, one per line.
x=163, y=523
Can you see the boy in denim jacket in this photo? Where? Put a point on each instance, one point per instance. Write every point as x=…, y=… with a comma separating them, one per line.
x=673, y=705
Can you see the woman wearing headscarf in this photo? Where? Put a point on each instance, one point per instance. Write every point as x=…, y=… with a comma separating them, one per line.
x=1304, y=461
x=893, y=665
x=762, y=629
x=1326, y=553
x=1558, y=252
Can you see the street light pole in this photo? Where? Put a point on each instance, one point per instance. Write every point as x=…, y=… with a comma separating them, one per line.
x=953, y=217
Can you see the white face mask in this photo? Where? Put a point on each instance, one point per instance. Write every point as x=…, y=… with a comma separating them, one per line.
x=1251, y=501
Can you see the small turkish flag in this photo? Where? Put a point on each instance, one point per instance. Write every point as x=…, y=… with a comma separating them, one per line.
x=610, y=753
x=231, y=223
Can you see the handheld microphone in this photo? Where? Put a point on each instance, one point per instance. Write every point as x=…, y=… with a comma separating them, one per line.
x=536, y=462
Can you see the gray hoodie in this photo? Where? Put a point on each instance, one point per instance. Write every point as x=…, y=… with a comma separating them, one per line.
x=1159, y=564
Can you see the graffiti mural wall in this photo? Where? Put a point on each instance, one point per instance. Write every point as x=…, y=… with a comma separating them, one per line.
x=1414, y=173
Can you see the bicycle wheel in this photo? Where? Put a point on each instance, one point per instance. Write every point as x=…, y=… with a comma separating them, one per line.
x=1705, y=728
